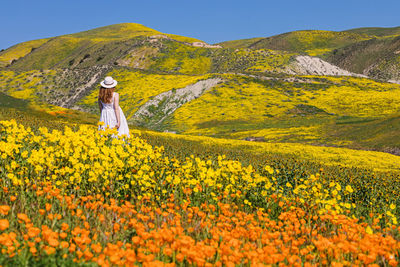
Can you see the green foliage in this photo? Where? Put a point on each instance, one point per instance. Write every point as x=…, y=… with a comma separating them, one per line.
x=376, y=31
x=378, y=58
x=19, y=50
x=176, y=57
x=311, y=42
x=242, y=43
x=137, y=87
x=65, y=50
x=34, y=116
x=291, y=165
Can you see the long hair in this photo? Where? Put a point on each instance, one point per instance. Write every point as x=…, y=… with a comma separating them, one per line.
x=105, y=94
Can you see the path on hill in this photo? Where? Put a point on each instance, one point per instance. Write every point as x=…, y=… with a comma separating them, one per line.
x=154, y=111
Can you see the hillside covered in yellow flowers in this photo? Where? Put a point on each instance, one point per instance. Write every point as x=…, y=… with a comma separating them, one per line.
x=246, y=153
x=265, y=92
x=270, y=89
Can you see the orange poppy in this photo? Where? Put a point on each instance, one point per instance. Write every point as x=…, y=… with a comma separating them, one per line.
x=4, y=224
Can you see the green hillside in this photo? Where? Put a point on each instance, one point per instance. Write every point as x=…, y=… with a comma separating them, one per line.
x=378, y=58
x=36, y=114
x=376, y=31
x=19, y=50
x=259, y=95
x=371, y=51
x=124, y=31
x=317, y=110
x=73, y=49
x=311, y=42
x=136, y=46
x=242, y=43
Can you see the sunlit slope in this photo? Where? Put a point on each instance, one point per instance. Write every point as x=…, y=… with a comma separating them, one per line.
x=241, y=43
x=173, y=57
x=72, y=49
x=125, y=31
x=168, y=56
x=370, y=51
x=312, y=42
x=327, y=155
x=376, y=31
x=378, y=58
x=306, y=109
x=135, y=46
x=136, y=88
x=61, y=87
x=19, y=50
x=315, y=110
x=25, y=85
x=252, y=101
x=35, y=114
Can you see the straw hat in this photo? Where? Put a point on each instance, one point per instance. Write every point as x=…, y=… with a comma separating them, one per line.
x=108, y=82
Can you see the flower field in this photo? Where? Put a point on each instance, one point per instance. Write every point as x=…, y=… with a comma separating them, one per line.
x=250, y=102
x=136, y=88
x=76, y=196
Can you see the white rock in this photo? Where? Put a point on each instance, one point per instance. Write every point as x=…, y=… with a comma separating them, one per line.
x=307, y=65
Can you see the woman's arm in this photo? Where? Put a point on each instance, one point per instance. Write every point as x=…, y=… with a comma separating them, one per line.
x=116, y=109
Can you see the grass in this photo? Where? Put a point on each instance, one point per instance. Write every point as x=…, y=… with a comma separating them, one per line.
x=311, y=110
x=37, y=114
x=19, y=50
x=242, y=43
x=311, y=42
x=377, y=31
x=254, y=100
x=68, y=50
x=376, y=58
x=137, y=87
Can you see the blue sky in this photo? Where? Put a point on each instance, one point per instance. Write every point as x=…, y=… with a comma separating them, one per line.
x=211, y=21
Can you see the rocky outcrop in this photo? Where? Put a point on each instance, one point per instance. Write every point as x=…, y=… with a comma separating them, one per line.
x=153, y=112
x=307, y=65
x=201, y=44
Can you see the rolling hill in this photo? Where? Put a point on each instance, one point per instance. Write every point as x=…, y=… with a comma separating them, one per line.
x=180, y=84
x=376, y=31
x=378, y=58
x=136, y=46
x=310, y=42
x=72, y=49
x=369, y=51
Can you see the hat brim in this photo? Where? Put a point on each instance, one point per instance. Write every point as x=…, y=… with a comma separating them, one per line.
x=109, y=85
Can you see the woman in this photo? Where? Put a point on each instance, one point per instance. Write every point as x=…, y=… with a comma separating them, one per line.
x=111, y=113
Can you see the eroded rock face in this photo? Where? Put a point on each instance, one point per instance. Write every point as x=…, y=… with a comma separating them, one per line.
x=201, y=44
x=157, y=109
x=315, y=66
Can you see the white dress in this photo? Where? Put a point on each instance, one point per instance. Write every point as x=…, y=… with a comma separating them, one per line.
x=109, y=118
